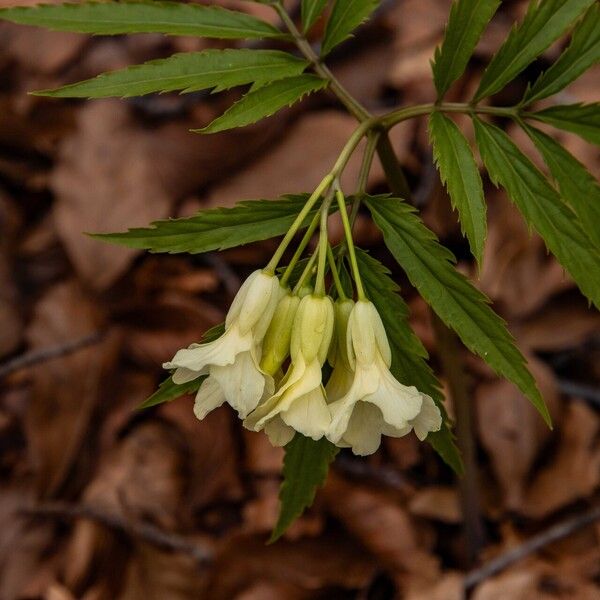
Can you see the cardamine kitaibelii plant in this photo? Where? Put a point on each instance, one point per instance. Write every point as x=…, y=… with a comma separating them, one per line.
x=318, y=352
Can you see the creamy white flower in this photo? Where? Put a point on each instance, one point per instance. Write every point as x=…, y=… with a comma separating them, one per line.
x=300, y=403
x=367, y=401
x=232, y=361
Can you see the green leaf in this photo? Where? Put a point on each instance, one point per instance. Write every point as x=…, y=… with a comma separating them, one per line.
x=576, y=184
x=172, y=18
x=345, y=17
x=304, y=470
x=459, y=171
x=189, y=72
x=409, y=357
x=541, y=206
x=467, y=21
x=168, y=391
x=216, y=229
x=544, y=23
x=581, y=119
x=311, y=11
x=265, y=101
x=460, y=306
x=582, y=53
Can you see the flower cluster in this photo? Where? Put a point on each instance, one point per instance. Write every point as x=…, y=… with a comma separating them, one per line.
x=269, y=366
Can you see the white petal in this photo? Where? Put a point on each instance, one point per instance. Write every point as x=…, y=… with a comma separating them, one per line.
x=209, y=397
x=339, y=382
x=242, y=383
x=364, y=429
x=398, y=403
x=277, y=294
x=365, y=382
x=183, y=375
x=278, y=432
x=238, y=302
x=309, y=414
x=429, y=419
x=220, y=352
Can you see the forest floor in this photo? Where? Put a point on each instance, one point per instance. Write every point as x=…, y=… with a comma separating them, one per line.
x=101, y=501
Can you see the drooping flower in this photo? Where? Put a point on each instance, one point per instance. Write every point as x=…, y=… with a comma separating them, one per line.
x=232, y=361
x=300, y=404
x=367, y=401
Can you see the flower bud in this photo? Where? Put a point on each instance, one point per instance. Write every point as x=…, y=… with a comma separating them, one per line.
x=252, y=300
x=276, y=345
x=366, y=335
x=313, y=328
x=338, y=349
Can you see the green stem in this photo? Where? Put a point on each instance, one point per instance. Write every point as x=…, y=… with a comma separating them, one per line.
x=335, y=273
x=300, y=249
x=350, y=242
x=270, y=268
x=365, y=169
x=353, y=105
x=307, y=270
x=392, y=168
x=323, y=245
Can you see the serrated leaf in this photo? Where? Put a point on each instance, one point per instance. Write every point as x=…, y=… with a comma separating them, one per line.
x=168, y=391
x=582, y=53
x=458, y=303
x=215, y=229
x=409, y=357
x=311, y=11
x=188, y=72
x=467, y=21
x=172, y=18
x=304, y=470
x=544, y=23
x=459, y=171
x=541, y=206
x=265, y=101
x=581, y=119
x=576, y=184
x=345, y=17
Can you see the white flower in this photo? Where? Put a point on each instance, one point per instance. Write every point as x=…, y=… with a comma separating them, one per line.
x=232, y=361
x=300, y=403
x=367, y=400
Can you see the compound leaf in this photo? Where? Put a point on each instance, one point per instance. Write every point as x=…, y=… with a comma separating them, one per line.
x=172, y=18
x=581, y=119
x=345, y=17
x=188, y=72
x=541, y=206
x=311, y=11
x=458, y=303
x=305, y=468
x=215, y=229
x=582, y=53
x=459, y=171
x=467, y=21
x=265, y=101
x=544, y=23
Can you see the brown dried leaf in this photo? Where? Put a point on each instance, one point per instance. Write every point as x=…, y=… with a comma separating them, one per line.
x=512, y=431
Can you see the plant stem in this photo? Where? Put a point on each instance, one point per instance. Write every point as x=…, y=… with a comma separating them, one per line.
x=449, y=351
x=350, y=242
x=392, y=167
x=353, y=106
x=363, y=176
x=335, y=273
x=323, y=245
x=307, y=269
x=299, y=250
x=270, y=268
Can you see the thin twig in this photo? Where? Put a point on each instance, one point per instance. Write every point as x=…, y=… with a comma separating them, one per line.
x=553, y=534
x=144, y=531
x=44, y=354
